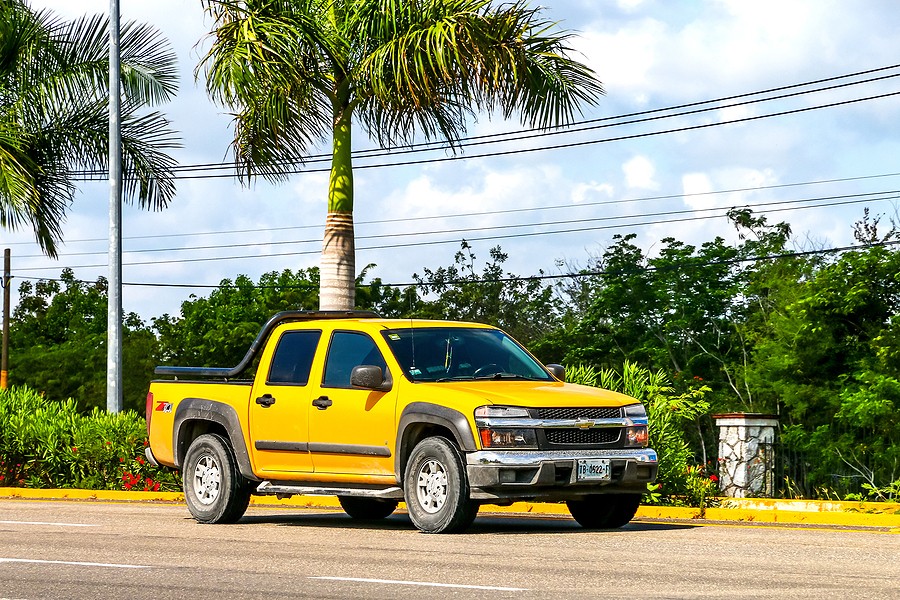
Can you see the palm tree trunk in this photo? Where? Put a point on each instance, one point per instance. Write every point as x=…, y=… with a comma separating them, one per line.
x=337, y=289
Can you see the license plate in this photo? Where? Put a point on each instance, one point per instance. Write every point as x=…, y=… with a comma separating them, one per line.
x=593, y=469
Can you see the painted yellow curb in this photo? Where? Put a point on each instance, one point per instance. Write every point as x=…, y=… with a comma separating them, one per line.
x=809, y=512
x=71, y=494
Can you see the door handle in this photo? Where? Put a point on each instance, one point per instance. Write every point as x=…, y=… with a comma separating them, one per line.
x=266, y=400
x=322, y=402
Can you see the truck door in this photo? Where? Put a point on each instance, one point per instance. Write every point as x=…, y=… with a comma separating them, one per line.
x=279, y=406
x=351, y=430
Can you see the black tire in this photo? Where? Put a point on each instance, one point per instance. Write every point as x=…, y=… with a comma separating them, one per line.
x=436, y=489
x=214, y=489
x=368, y=509
x=604, y=511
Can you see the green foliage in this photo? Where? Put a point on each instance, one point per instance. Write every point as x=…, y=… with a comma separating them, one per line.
x=826, y=360
x=54, y=115
x=58, y=343
x=218, y=329
x=49, y=444
x=524, y=308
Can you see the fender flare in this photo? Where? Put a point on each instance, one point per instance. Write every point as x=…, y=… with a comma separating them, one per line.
x=201, y=409
x=417, y=413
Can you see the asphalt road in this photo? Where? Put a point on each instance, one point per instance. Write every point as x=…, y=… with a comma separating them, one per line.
x=85, y=550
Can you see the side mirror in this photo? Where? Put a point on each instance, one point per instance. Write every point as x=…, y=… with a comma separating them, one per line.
x=369, y=377
x=557, y=371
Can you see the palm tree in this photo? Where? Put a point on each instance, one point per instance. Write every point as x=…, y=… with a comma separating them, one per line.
x=296, y=71
x=54, y=115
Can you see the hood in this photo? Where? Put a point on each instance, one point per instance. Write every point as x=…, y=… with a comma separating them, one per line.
x=528, y=393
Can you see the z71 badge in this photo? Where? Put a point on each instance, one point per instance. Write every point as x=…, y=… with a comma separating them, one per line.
x=165, y=407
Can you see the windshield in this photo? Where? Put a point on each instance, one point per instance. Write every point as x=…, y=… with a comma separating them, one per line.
x=454, y=353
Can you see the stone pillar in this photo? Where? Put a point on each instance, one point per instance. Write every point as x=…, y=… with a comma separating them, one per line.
x=746, y=454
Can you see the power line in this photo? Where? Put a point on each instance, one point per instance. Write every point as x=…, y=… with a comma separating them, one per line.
x=892, y=195
x=570, y=145
x=578, y=275
x=856, y=198
x=576, y=127
x=495, y=212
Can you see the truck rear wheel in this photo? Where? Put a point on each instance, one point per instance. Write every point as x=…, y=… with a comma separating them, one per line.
x=214, y=489
x=604, y=511
x=367, y=509
x=436, y=489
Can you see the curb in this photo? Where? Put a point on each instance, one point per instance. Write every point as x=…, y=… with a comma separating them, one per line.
x=740, y=510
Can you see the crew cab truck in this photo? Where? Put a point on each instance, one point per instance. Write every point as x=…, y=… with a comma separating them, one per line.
x=443, y=415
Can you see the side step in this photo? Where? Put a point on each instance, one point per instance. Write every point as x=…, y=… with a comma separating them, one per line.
x=286, y=490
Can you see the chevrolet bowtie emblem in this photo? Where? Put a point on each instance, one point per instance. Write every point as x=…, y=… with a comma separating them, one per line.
x=584, y=423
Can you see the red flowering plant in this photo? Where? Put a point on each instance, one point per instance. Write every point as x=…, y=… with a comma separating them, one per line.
x=118, y=442
x=702, y=485
x=44, y=444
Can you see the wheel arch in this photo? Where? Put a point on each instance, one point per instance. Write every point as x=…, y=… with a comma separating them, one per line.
x=197, y=416
x=420, y=420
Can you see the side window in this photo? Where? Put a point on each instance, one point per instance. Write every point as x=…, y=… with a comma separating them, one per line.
x=349, y=349
x=293, y=357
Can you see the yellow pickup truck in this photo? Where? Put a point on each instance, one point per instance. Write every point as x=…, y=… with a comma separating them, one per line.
x=443, y=415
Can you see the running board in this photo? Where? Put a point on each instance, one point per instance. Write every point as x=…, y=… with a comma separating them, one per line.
x=284, y=490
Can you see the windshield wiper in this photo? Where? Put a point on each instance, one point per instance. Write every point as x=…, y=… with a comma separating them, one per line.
x=504, y=375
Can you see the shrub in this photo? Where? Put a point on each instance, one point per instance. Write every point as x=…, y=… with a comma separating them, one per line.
x=49, y=444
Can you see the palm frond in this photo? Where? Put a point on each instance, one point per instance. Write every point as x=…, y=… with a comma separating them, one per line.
x=54, y=114
x=466, y=52
x=272, y=63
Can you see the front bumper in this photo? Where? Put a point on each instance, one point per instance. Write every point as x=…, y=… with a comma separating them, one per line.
x=552, y=475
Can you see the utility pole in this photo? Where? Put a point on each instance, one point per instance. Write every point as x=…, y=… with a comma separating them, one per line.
x=114, y=293
x=4, y=361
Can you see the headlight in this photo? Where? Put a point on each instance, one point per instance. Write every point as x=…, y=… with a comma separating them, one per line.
x=496, y=432
x=636, y=411
x=501, y=411
x=636, y=436
x=508, y=438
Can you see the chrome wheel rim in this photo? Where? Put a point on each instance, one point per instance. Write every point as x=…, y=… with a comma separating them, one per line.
x=207, y=479
x=431, y=486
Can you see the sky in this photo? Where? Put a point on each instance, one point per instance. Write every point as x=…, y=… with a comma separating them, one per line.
x=553, y=203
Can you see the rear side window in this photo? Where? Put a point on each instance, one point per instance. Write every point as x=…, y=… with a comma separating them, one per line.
x=349, y=349
x=294, y=357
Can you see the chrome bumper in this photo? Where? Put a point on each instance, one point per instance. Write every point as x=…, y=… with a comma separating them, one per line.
x=533, y=458
x=552, y=475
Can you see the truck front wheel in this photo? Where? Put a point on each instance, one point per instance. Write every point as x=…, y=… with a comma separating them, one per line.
x=604, y=511
x=214, y=489
x=436, y=489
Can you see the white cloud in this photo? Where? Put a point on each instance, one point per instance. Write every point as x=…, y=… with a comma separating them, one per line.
x=639, y=173
x=588, y=192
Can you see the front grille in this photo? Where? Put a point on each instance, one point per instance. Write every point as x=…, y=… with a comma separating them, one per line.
x=588, y=412
x=582, y=436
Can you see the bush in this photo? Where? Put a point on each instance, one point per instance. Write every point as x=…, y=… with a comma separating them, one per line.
x=45, y=444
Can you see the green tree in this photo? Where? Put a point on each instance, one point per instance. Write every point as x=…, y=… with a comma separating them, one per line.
x=296, y=71
x=54, y=114
x=524, y=307
x=58, y=343
x=828, y=361
x=218, y=329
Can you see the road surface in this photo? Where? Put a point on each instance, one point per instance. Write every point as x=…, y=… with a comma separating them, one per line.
x=92, y=550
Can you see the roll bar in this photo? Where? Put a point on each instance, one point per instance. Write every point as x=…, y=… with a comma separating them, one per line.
x=259, y=342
